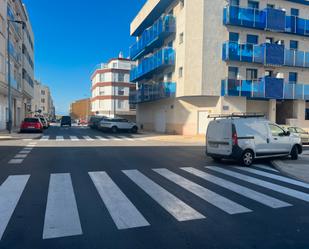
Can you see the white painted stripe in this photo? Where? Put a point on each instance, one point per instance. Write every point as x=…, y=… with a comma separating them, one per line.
x=61, y=217
x=24, y=151
x=28, y=148
x=27, y=139
x=129, y=139
x=59, y=138
x=87, y=138
x=30, y=145
x=265, y=167
x=278, y=188
x=123, y=212
x=101, y=138
x=45, y=138
x=211, y=197
x=177, y=208
x=10, y=193
x=33, y=143
x=74, y=138
x=20, y=156
x=16, y=161
x=276, y=177
x=249, y=193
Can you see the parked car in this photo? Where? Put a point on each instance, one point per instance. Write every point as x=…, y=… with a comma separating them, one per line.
x=117, y=124
x=94, y=121
x=31, y=125
x=44, y=122
x=246, y=137
x=304, y=135
x=66, y=121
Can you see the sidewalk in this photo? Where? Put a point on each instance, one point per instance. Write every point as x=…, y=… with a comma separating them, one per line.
x=297, y=169
x=199, y=139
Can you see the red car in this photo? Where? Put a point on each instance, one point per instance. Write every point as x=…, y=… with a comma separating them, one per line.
x=31, y=125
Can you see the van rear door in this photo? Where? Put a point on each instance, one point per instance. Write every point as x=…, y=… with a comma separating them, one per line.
x=219, y=137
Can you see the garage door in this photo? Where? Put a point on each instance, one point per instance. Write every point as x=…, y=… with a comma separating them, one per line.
x=160, y=121
x=203, y=122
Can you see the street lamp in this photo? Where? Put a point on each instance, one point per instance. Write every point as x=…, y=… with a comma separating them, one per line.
x=9, y=123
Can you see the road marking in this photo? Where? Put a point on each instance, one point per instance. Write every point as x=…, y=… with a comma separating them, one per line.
x=27, y=139
x=265, y=167
x=74, y=138
x=123, y=212
x=101, y=138
x=10, y=193
x=18, y=156
x=278, y=188
x=45, y=138
x=59, y=138
x=176, y=207
x=87, y=138
x=16, y=161
x=129, y=139
x=249, y=193
x=24, y=151
x=61, y=217
x=30, y=146
x=207, y=195
x=276, y=177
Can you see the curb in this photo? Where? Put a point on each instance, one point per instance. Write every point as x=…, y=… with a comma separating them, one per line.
x=279, y=164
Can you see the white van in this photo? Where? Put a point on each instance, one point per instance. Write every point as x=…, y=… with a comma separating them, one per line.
x=244, y=137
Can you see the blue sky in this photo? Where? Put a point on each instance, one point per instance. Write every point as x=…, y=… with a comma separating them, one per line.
x=72, y=36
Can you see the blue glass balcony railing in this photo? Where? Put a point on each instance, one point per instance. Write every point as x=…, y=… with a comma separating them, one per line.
x=153, y=36
x=267, y=19
x=265, y=88
x=159, y=60
x=148, y=92
x=14, y=53
x=266, y=54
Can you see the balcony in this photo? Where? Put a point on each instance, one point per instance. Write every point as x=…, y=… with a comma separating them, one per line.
x=266, y=54
x=265, y=88
x=151, y=92
x=160, y=60
x=14, y=53
x=153, y=37
x=268, y=19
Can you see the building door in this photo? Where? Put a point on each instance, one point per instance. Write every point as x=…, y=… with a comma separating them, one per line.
x=203, y=122
x=160, y=121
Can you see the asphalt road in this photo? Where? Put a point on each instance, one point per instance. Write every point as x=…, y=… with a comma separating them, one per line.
x=78, y=188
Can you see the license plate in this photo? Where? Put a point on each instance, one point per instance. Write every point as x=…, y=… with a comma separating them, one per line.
x=31, y=127
x=214, y=145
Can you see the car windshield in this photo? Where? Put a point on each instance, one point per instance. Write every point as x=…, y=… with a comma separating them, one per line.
x=31, y=120
x=66, y=118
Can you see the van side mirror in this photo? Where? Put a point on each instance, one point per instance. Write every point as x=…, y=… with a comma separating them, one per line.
x=287, y=133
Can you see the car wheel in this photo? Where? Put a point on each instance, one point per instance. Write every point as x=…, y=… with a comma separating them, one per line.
x=134, y=129
x=247, y=158
x=294, y=153
x=114, y=129
x=217, y=159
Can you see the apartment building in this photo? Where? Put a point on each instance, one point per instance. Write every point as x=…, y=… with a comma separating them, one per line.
x=21, y=52
x=42, y=102
x=200, y=57
x=111, y=89
x=81, y=109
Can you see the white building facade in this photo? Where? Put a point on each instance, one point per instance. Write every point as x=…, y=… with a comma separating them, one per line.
x=200, y=57
x=111, y=89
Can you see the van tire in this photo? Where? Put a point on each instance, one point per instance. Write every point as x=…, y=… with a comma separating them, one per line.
x=247, y=158
x=114, y=129
x=216, y=159
x=294, y=153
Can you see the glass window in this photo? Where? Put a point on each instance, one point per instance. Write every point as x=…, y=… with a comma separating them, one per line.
x=307, y=114
x=294, y=45
x=42, y=92
x=253, y=4
x=102, y=77
x=121, y=91
x=251, y=74
x=252, y=39
x=120, y=104
x=292, y=78
x=276, y=130
x=269, y=73
x=120, y=77
x=233, y=37
x=294, y=12
x=270, y=6
x=233, y=73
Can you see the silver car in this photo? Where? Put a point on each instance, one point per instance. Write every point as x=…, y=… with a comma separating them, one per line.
x=117, y=124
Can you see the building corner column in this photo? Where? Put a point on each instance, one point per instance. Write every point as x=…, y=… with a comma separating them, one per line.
x=272, y=110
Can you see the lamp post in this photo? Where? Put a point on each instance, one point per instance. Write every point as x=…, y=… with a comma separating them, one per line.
x=9, y=123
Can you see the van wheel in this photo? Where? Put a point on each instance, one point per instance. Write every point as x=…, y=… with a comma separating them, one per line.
x=134, y=130
x=217, y=159
x=294, y=153
x=114, y=129
x=247, y=158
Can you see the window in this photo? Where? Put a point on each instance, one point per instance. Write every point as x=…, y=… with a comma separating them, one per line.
x=269, y=73
x=294, y=12
x=102, y=77
x=269, y=40
x=270, y=6
x=114, y=65
x=233, y=37
x=121, y=77
x=120, y=104
x=233, y=73
x=101, y=91
x=307, y=114
x=234, y=2
x=1, y=25
x=121, y=91
x=294, y=45
x=251, y=74
x=180, y=72
x=181, y=35
x=293, y=78
x=252, y=39
x=42, y=92
x=42, y=100
x=276, y=131
x=2, y=64
x=253, y=4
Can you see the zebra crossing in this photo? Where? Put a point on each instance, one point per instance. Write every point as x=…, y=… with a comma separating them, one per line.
x=91, y=138
x=62, y=217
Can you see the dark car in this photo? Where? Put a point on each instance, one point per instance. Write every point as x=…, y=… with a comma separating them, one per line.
x=94, y=121
x=31, y=125
x=66, y=121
